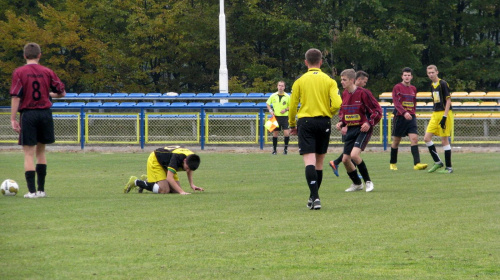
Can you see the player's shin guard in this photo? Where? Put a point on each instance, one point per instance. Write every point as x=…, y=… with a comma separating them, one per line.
x=354, y=177
x=312, y=181
x=364, y=171
x=416, y=154
x=144, y=185
x=394, y=156
x=41, y=173
x=275, y=143
x=319, y=173
x=30, y=181
x=432, y=150
x=447, y=155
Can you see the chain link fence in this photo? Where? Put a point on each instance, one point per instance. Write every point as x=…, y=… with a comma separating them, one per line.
x=237, y=126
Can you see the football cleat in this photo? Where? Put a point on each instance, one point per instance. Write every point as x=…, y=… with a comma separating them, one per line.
x=335, y=168
x=435, y=167
x=309, y=203
x=130, y=185
x=369, y=186
x=354, y=188
x=393, y=166
x=273, y=153
x=30, y=195
x=285, y=152
x=420, y=166
x=446, y=170
x=40, y=194
x=316, y=205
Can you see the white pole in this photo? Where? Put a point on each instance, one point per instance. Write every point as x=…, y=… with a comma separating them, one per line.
x=223, y=75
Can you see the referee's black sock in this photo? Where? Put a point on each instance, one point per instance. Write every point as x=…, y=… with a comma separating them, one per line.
x=145, y=185
x=30, y=181
x=354, y=177
x=319, y=173
x=312, y=181
x=416, y=154
x=394, y=155
x=275, y=143
x=287, y=140
x=364, y=171
x=41, y=172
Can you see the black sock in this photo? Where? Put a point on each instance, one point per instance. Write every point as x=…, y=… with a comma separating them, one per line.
x=275, y=143
x=416, y=154
x=287, y=140
x=145, y=185
x=447, y=157
x=312, y=181
x=41, y=172
x=434, y=154
x=30, y=181
x=394, y=156
x=354, y=177
x=355, y=165
x=339, y=159
x=319, y=173
x=364, y=171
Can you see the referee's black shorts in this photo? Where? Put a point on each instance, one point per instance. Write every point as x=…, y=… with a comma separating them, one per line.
x=355, y=138
x=401, y=127
x=314, y=134
x=282, y=123
x=37, y=126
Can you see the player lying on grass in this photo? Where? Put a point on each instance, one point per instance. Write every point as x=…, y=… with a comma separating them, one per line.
x=162, y=167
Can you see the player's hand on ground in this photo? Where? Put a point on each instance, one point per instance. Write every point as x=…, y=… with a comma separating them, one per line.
x=365, y=127
x=195, y=188
x=184, y=193
x=293, y=131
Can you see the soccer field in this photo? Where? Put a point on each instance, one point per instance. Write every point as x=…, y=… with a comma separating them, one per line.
x=252, y=221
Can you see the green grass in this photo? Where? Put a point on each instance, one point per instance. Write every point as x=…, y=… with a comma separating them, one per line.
x=252, y=222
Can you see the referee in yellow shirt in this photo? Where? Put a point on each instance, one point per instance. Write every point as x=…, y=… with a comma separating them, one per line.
x=280, y=101
x=319, y=99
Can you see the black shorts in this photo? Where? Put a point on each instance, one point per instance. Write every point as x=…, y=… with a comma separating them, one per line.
x=37, y=126
x=282, y=123
x=314, y=135
x=401, y=127
x=355, y=138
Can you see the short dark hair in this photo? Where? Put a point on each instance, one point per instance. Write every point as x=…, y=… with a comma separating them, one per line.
x=193, y=161
x=407, y=69
x=361, y=73
x=32, y=50
x=313, y=56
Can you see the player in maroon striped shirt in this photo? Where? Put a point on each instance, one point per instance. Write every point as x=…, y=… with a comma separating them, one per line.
x=359, y=113
x=33, y=87
x=405, y=121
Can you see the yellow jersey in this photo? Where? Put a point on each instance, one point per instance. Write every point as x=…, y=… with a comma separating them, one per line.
x=318, y=95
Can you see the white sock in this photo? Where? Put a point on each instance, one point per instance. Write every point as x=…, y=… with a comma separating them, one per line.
x=156, y=188
x=447, y=147
x=428, y=144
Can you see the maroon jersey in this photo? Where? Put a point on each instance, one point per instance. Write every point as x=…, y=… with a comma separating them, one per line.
x=32, y=83
x=359, y=107
x=404, y=99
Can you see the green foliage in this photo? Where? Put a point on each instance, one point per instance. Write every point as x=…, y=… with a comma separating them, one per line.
x=252, y=221
x=160, y=46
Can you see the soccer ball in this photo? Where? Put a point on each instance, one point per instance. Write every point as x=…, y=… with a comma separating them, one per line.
x=9, y=187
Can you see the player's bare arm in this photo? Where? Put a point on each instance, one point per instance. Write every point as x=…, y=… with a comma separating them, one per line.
x=189, y=174
x=174, y=184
